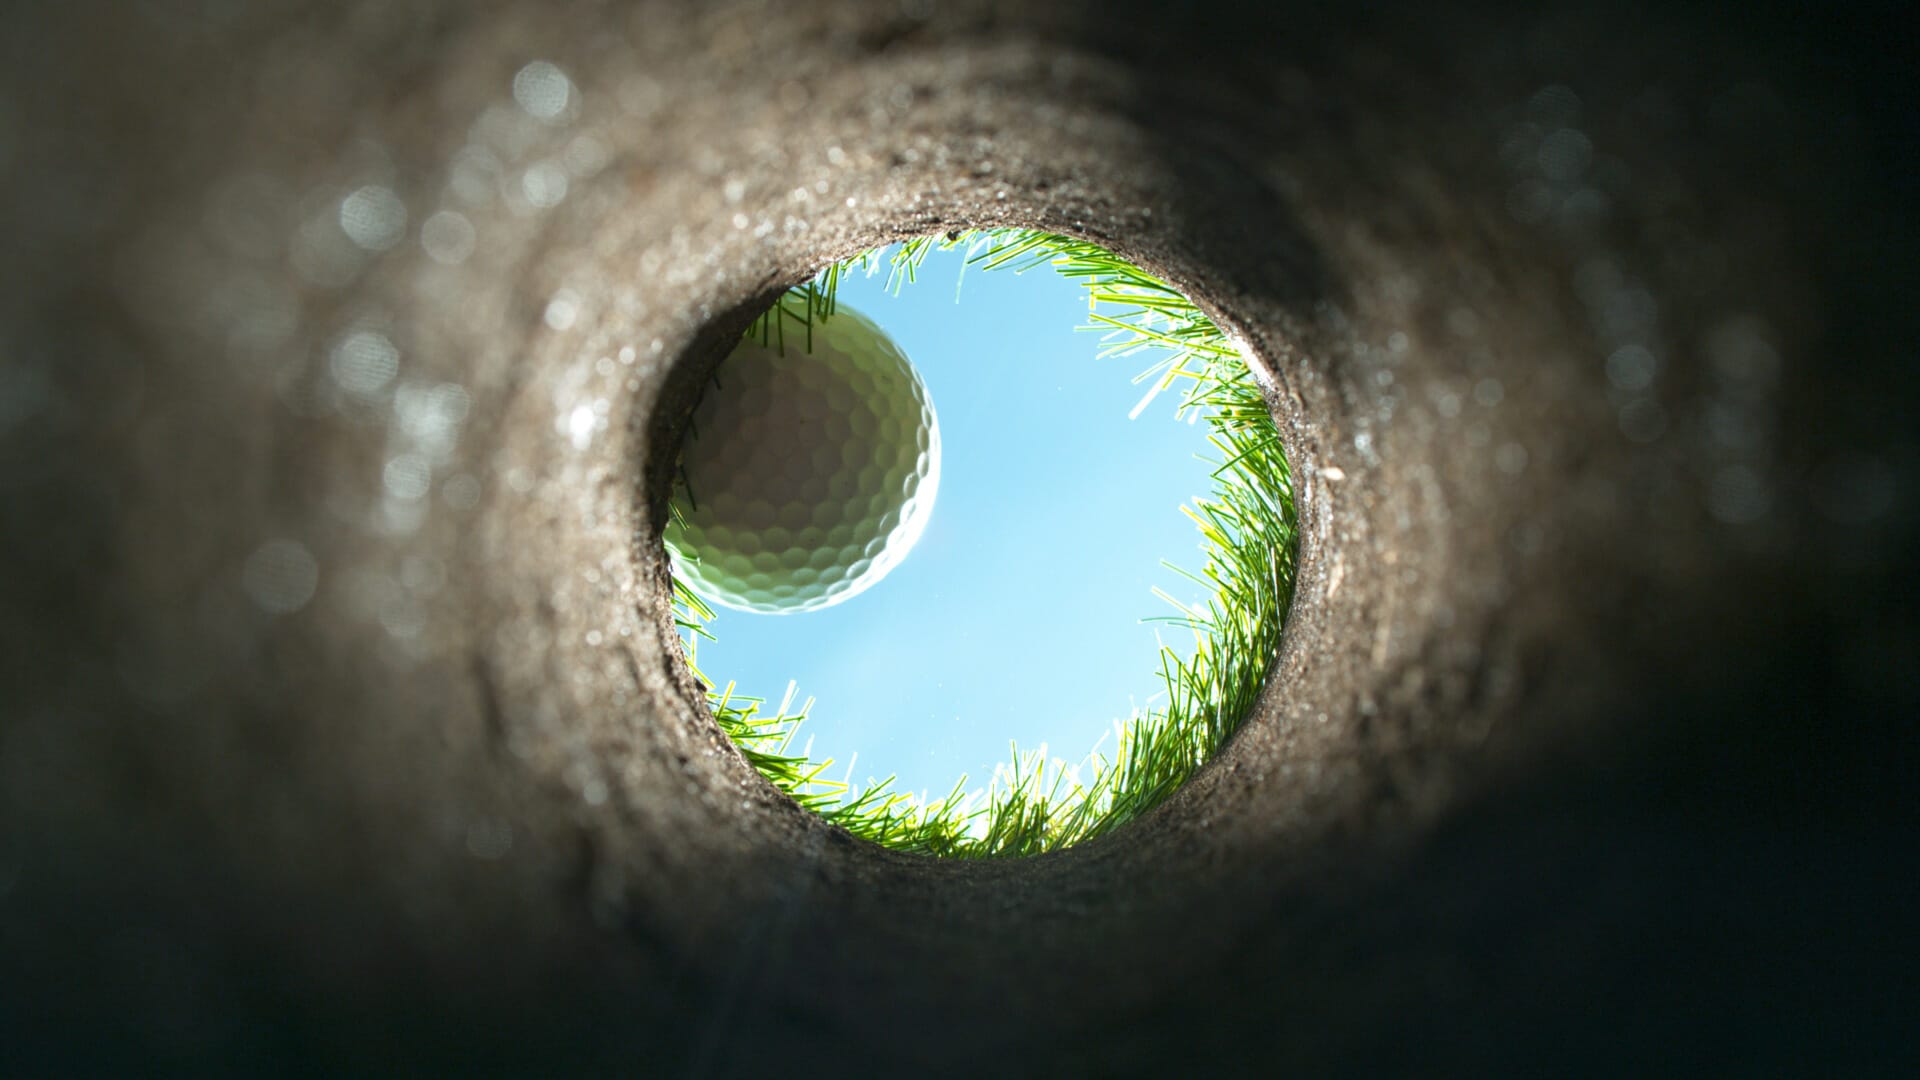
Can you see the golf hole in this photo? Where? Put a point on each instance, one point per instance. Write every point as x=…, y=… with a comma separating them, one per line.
x=982, y=543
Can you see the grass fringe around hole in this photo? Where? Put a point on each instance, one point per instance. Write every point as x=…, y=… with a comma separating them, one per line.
x=1036, y=803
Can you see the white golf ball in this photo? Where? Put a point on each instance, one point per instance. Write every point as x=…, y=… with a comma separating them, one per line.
x=808, y=476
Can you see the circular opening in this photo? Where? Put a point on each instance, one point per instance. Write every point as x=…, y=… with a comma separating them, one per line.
x=810, y=467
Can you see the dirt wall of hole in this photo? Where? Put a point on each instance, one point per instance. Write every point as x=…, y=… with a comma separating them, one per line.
x=344, y=723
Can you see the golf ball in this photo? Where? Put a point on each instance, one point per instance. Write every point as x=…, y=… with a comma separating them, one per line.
x=807, y=475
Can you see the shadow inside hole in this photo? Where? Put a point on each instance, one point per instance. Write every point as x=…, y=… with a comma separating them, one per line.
x=686, y=380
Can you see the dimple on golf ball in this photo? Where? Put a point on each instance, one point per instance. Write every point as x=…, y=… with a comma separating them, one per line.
x=807, y=475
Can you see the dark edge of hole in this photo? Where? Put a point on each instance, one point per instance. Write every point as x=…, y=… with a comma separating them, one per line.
x=663, y=430
x=665, y=427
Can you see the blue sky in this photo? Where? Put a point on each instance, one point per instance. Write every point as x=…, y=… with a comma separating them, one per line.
x=1017, y=617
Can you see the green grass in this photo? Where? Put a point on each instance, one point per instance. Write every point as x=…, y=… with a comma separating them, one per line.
x=1247, y=523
